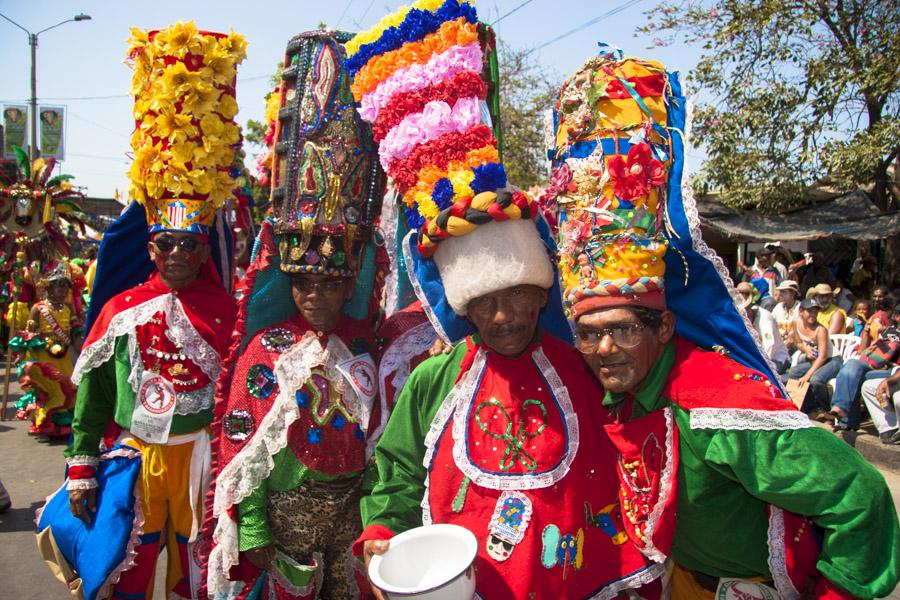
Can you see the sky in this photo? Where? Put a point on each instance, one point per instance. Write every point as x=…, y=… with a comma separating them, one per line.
x=80, y=64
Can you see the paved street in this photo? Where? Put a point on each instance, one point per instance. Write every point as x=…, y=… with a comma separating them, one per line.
x=31, y=469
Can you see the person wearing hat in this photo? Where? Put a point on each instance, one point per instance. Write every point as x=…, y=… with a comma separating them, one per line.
x=709, y=449
x=766, y=269
x=766, y=327
x=501, y=435
x=786, y=311
x=831, y=316
x=152, y=355
x=882, y=399
x=299, y=401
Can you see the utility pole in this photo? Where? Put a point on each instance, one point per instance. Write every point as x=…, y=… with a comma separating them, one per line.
x=33, y=42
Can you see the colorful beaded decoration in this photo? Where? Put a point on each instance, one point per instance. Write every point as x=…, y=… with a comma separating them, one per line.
x=238, y=425
x=260, y=381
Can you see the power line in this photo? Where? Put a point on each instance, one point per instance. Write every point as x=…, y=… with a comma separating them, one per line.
x=587, y=24
x=343, y=14
x=511, y=12
x=365, y=12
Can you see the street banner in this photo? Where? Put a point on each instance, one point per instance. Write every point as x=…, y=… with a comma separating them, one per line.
x=15, y=126
x=52, y=123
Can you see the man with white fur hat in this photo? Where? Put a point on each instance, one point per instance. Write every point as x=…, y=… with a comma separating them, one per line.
x=496, y=436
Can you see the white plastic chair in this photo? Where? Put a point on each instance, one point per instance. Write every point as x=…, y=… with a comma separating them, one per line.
x=845, y=345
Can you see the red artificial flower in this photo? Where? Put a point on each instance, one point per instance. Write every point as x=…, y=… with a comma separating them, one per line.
x=636, y=176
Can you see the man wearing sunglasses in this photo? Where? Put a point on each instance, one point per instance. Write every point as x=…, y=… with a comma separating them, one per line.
x=147, y=373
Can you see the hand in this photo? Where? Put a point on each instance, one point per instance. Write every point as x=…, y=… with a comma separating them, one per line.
x=262, y=557
x=439, y=347
x=804, y=380
x=83, y=504
x=883, y=393
x=370, y=549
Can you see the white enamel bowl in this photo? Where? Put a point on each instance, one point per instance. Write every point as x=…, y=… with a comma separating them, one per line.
x=433, y=562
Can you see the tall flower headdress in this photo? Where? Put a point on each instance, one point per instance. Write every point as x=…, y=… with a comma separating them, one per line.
x=184, y=86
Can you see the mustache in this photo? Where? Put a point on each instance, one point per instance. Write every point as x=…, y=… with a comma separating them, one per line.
x=511, y=329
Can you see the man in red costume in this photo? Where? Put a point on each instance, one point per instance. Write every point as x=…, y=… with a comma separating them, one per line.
x=152, y=357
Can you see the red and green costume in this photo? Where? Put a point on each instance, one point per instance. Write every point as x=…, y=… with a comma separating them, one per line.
x=179, y=334
x=721, y=474
x=522, y=465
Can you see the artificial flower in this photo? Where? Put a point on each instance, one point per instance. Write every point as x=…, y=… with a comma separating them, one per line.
x=177, y=181
x=137, y=40
x=218, y=66
x=212, y=126
x=200, y=181
x=178, y=39
x=635, y=177
x=391, y=20
x=273, y=104
x=236, y=45
x=177, y=80
x=202, y=100
x=222, y=187
x=182, y=152
x=228, y=107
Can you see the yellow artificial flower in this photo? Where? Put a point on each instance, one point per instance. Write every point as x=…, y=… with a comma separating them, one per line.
x=231, y=133
x=137, y=40
x=222, y=187
x=201, y=100
x=388, y=21
x=183, y=129
x=177, y=181
x=228, y=106
x=177, y=80
x=273, y=104
x=178, y=40
x=148, y=158
x=155, y=185
x=182, y=152
x=212, y=153
x=218, y=66
x=136, y=193
x=236, y=45
x=200, y=180
x=212, y=125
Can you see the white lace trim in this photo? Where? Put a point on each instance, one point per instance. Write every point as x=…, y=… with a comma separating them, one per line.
x=748, y=419
x=396, y=361
x=389, y=215
x=178, y=329
x=189, y=403
x=666, y=485
x=83, y=460
x=81, y=484
x=255, y=461
x=778, y=556
x=420, y=293
x=700, y=246
x=643, y=577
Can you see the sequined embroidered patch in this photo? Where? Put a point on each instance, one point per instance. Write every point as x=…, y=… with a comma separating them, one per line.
x=511, y=517
x=260, y=381
x=278, y=339
x=238, y=425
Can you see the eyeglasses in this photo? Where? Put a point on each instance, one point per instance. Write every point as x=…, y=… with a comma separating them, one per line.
x=624, y=335
x=167, y=244
x=328, y=286
x=519, y=297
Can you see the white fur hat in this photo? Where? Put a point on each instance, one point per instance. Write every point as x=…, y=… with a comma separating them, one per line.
x=495, y=256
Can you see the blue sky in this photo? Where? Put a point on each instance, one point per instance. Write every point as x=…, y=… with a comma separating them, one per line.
x=84, y=60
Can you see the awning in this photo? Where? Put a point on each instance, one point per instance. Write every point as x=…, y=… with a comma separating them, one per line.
x=851, y=216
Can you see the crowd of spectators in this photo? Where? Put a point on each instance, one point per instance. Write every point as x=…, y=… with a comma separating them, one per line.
x=836, y=346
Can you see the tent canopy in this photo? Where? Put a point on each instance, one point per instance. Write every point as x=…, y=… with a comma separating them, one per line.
x=850, y=215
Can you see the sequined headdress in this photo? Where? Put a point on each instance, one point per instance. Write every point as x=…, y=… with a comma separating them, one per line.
x=184, y=86
x=326, y=182
x=418, y=76
x=612, y=156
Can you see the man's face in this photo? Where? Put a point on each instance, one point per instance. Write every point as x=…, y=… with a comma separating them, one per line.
x=507, y=319
x=765, y=260
x=824, y=300
x=878, y=295
x=319, y=298
x=622, y=366
x=178, y=256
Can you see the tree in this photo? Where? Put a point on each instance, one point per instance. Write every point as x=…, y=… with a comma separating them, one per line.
x=794, y=91
x=527, y=92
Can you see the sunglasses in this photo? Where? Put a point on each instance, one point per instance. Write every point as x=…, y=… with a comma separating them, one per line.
x=167, y=244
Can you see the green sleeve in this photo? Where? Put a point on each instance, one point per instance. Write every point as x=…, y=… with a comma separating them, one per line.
x=812, y=473
x=95, y=405
x=395, y=500
x=253, y=520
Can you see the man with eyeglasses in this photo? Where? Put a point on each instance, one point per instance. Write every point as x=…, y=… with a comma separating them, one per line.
x=721, y=478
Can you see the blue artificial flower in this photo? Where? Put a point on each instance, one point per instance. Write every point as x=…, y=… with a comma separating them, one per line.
x=488, y=177
x=413, y=218
x=443, y=193
x=416, y=25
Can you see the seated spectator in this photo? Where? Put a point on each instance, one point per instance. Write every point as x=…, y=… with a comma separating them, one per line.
x=859, y=316
x=787, y=309
x=882, y=398
x=815, y=365
x=831, y=316
x=872, y=362
x=883, y=305
x=767, y=328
